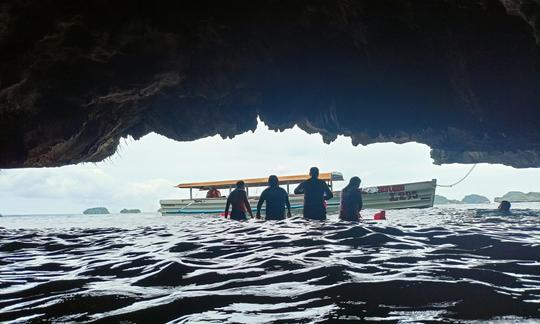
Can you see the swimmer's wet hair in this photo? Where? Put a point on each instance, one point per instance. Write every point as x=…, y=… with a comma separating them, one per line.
x=505, y=205
x=273, y=181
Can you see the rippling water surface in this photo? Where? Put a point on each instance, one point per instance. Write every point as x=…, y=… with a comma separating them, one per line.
x=438, y=264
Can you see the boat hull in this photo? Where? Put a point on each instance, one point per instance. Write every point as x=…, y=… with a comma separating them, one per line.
x=408, y=195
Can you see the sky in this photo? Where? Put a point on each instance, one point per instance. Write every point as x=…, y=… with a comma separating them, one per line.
x=143, y=172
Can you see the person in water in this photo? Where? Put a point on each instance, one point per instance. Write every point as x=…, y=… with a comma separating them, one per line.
x=504, y=207
x=502, y=210
x=276, y=199
x=239, y=202
x=351, y=201
x=315, y=192
x=213, y=193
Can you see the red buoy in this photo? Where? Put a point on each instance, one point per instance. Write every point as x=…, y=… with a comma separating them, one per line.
x=380, y=215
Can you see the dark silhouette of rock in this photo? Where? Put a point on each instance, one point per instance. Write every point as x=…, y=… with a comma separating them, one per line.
x=460, y=76
x=441, y=200
x=518, y=196
x=96, y=211
x=475, y=199
x=130, y=211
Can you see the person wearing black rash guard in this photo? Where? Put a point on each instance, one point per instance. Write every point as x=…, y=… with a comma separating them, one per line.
x=239, y=202
x=504, y=208
x=351, y=201
x=315, y=192
x=276, y=199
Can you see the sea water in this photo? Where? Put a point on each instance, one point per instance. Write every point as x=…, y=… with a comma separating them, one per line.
x=447, y=263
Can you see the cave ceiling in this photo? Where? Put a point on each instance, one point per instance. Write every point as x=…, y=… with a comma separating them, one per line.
x=461, y=76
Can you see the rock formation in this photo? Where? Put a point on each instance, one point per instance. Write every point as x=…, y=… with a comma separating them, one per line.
x=96, y=211
x=475, y=199
x=518, y=196
x=130, y=211
x=442, y=200
x=460, y=76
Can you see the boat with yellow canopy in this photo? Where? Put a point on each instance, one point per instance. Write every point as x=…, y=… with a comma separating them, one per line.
x=407, y=195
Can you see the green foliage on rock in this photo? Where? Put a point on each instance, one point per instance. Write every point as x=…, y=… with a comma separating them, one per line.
x=518, y=196
x=441, y=200
x=96, y=211
x=130, y=211
x=475, y=199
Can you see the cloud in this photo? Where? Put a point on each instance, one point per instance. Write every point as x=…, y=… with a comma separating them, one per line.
x=85, y=185
x=145, y=194
x=83, y=182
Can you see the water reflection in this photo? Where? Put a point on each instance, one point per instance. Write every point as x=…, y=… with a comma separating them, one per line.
x=420, y=265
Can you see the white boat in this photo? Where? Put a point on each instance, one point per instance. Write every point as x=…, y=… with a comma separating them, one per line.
x=397, y=196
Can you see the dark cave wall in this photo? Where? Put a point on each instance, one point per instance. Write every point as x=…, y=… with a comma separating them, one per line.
x=460, y=76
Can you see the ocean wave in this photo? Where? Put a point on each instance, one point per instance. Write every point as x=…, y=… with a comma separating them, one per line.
x=420, y=265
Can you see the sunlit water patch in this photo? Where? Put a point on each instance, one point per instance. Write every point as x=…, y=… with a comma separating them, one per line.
x=419, y=265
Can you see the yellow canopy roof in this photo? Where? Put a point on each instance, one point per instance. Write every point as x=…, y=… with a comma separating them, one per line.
x=256, y=182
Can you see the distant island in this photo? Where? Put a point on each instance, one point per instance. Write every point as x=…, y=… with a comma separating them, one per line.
x=518, y=196
x=475, y=199
x=130, y=211
x=469, y=199
x=442, y=200
x=96, y=211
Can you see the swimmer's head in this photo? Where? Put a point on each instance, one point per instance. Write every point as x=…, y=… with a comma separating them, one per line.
x=355, y=182
x=240, y=184
x=504, y=205
x=273, y=181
